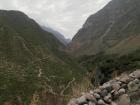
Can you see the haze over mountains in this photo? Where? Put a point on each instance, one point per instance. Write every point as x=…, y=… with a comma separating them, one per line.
x=39, y=67
x=58, y=35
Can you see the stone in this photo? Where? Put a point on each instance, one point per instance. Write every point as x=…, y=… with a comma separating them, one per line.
x=115, y=95
x=97, y=91
x=132, y=86
x=119, y=82
x=81, y=100
x=113, y=103
x=124, y=100
x=108, y=98
x=113, y=91
x=124, y=78
x=135, y=74
x=121, y=91
x=91, y=92
x=107, y=86
x=90, y=97
x=104, y=93
x=101, y=102
x=73, y=101
x=137, y=81
x=124, y=86
x=91, y=103
x=116, y=86
x=83, y=93
x=96, y=95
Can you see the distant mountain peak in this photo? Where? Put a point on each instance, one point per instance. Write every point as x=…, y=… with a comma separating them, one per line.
x=57, y=34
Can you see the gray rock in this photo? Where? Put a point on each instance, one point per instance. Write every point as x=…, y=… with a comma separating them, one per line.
x=104, y=93
x=137, y=81
x=91, y=92
x=116, y=86
x=124, y=100
x=114, y=103
x=121, y=91
x=90, y=97
x=133, y=86
x=73, y=102
x=97, y=95
x=124, y=78
x=101, y=102
x=97, y=91
x=108, y=98
x=81, y=100
x=115, y=95
x=119, y=82
x=135, y=74
x=107, y=86
x=91, y=103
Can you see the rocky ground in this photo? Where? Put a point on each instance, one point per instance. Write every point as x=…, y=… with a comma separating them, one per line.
x=122, y=90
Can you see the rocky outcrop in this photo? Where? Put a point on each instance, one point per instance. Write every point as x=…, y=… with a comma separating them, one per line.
x=122, y=90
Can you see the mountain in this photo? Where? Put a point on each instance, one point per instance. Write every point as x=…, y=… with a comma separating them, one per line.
x=32, y=62
x=58, y=35
x=113, y=29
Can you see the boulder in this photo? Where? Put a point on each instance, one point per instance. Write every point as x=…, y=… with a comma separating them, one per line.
x=91, y=92
x=107, y=86
x=91, y=103
x=115, y=95
x=97, y=90
x=90, y=97
x=124, y=100
x=133, y=86
x=124, y=78
x=121, y=91
x=101, y=102
x=96, y=95
x=113, y=103
x=73, y=102
x=116, y=86
x=137, y=81
x=135, y=74
x=81, y=100
x=85, y=98
x=104, y=93
x=108, y=98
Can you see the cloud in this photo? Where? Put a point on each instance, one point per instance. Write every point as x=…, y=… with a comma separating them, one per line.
x=66, y=16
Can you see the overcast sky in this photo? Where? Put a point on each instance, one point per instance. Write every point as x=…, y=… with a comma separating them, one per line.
x=65, y=16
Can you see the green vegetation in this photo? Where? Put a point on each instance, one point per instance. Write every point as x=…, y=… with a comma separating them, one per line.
x=31, y=59
x=110, y=63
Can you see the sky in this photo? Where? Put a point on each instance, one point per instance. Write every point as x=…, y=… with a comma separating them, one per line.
x=65, y=16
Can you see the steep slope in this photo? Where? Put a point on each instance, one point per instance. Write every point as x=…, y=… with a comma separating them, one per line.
x=110, y=29
x=31, y=60
x=58, y=35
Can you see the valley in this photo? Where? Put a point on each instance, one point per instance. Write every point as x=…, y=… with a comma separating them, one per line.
x=39, y=66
